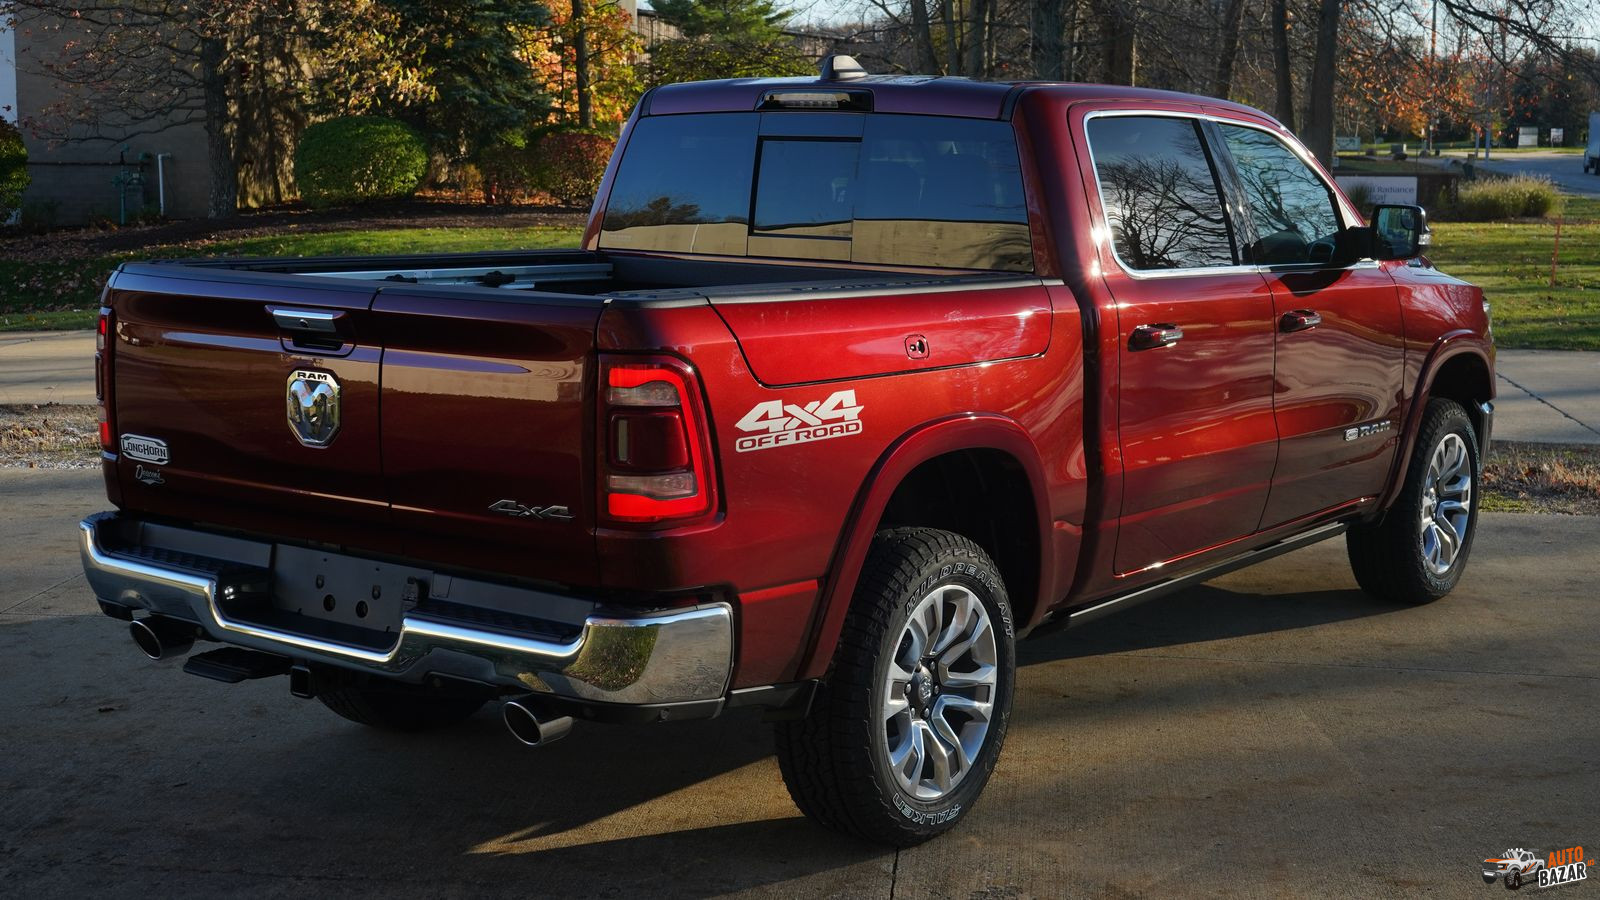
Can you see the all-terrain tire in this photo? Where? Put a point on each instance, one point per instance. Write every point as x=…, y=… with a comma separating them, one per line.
x=835, y=761
x=393, y=705
x=1387, y=556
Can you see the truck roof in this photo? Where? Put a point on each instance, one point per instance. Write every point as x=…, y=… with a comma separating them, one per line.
x=913, y=94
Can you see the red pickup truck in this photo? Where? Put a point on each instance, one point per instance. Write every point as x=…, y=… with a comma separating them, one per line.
x=854, y=382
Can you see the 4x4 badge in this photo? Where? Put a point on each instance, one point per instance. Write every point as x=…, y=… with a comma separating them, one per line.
x=789, y=423
x=517, y=510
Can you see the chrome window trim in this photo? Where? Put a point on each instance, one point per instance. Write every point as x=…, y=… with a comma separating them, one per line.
x=1287, y=140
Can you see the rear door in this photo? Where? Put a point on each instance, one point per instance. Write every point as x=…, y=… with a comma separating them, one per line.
x=1194, y=407
x=1337, y=396
x=488, y=424
x=250, y=401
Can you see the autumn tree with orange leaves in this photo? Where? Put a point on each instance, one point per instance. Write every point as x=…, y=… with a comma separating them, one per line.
x=587, y=63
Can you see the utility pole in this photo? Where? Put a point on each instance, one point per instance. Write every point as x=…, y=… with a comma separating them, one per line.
x=1433, y=79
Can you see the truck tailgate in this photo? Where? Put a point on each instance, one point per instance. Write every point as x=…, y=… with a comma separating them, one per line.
x=487, y=428
x=202, y=378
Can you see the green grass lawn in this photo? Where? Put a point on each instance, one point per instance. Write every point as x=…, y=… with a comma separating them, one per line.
x=48, y=294
x=1511, y=262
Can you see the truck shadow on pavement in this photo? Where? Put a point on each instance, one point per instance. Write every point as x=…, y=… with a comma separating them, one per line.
x=1200, y=614
x=252, y=781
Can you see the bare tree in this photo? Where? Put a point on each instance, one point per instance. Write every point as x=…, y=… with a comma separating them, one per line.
x=1283, y=69
x=1049, y=25
x=1232, y=18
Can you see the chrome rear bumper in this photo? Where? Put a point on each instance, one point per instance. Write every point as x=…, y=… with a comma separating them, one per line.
x=677, y=655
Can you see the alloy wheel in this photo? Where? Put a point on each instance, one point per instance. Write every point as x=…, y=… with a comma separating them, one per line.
x=1446, y=504
x=939, y=691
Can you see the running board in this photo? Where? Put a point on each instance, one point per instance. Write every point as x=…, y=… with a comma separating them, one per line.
x=1161, y=589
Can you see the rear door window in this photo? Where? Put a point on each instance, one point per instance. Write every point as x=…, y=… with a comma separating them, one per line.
x=910, y=190
x=1160, y=193
x=1292, y=209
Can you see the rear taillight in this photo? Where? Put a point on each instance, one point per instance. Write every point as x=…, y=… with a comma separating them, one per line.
x=656, y=458
x=102, y=361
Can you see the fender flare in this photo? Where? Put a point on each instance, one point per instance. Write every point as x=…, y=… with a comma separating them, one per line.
x=1449, y=346
x=971, y=431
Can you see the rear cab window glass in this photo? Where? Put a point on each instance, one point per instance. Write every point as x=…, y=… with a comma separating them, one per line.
x=1159, y=188
x=684, y=185
x=1291, y=208
x=926, y=191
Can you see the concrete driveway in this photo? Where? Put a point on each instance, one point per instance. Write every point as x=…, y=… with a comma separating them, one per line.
x=1275, y=733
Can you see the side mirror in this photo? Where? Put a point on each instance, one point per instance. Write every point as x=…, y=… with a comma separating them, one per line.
x=1399, y=232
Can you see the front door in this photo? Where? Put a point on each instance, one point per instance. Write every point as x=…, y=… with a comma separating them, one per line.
x=1194, y=409
x=1337, y=385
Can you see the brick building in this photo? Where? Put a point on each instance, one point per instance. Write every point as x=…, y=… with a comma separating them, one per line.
x=112, y=173
x=120, y=172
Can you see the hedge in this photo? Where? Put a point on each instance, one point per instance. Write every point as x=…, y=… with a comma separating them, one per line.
x=14, y=176
x=358, y=158
x=568, y=165
x=1504, y=198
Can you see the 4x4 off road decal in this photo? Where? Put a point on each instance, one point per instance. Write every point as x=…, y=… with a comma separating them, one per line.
x=778, y=424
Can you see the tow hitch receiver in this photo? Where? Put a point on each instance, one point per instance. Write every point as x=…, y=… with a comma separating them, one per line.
x=232, y=665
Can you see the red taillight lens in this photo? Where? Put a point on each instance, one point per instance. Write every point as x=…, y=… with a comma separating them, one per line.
x=101, y=355
x=657, y=456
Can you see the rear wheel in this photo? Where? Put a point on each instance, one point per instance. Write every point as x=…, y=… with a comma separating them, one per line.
x=1417, y=552
x=394, y=705
x=904, y=734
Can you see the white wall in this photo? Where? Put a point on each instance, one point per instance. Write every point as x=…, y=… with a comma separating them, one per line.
x=8, y=74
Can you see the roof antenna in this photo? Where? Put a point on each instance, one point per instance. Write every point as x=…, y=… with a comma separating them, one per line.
x=840, y=67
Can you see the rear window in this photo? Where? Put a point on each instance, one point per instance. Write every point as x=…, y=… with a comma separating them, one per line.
x=900, y=190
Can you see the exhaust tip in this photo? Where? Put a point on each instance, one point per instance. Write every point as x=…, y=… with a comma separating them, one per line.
x=531, y=726
x=160, y=638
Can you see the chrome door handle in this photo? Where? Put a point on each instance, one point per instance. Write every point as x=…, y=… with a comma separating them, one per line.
x=314, y=320
x=1299, y=320
x=1149, y=337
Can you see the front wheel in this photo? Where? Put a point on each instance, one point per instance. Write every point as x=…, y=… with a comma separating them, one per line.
x=1417, y=552
x=904, y=734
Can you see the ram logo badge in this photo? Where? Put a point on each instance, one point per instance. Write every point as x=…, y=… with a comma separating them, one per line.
x=1367, y=430
x=145, y=449
x=313, y=407
x=778, y=424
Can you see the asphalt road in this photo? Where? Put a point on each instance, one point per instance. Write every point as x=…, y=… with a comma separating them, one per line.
x=1565, y=169
x=1275, y=733
x=47, y=367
